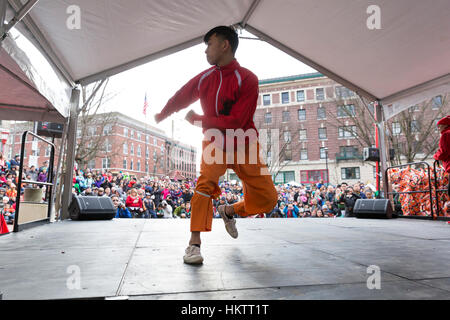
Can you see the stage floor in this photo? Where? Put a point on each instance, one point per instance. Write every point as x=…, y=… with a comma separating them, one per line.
x=272, y=259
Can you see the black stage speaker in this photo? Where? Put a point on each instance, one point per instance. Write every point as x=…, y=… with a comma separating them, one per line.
x=50, y=129
x=371, y=154
x=91, y=208
x=373, y=209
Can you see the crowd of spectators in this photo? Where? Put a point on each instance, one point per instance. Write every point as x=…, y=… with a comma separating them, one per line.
x=9, y=180
x=164, y=198
x=148, y=197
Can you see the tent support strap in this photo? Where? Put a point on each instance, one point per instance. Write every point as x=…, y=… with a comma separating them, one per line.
x=70, y=153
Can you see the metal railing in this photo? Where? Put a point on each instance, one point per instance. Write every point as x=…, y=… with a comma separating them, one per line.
x=430, y=189
x=49, y=185
x=436, y=190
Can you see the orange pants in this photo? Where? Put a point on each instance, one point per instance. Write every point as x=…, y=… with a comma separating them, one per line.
x=260, y=195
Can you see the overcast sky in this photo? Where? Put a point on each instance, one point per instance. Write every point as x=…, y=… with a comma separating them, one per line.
x=160, y=79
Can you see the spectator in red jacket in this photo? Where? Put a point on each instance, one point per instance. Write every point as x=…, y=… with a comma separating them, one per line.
x=443, y=153
x=134, y=203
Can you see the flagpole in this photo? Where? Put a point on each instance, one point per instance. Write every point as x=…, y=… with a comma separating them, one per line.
x=146, y=135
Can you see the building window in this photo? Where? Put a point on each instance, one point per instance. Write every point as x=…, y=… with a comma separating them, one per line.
x=91, y=131
x=139, y=136
x=268, y=117
x=343, y=92
x=48, y=150
x=321, y=113
x=313, y=176
x=346, y=111
x=91, y=164
x=125, y=148
x=132, y=134
x=285, y=177
x=146, y=166
x=106, y=163
x=436, y=102
x=350, y=173
x=300, y=95
x=301, y=114
x=302, y=134
x=266, y=99
x=348, y=151
x=347, y=132
x=124, y=163
x=154, y=141
x=132, y=149
x=285, y=97
x=125, y=132
x=285, y=116
x=139, y=151
x=131, y=164
x=108, y=146
x=322, y=133
x=415, y=126
x=139, y=165
x=107, y=129
x=323, y=153
x=320, y=94
x=147, y=152
x=287, y=136
x=154, y=155
x=304, y=154
x=396, y=128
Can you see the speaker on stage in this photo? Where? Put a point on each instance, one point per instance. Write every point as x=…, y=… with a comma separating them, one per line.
x=91, y=208
x=374, y=209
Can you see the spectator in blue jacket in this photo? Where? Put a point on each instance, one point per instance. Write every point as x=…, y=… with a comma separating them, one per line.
x=122, y=211
x=291, y=211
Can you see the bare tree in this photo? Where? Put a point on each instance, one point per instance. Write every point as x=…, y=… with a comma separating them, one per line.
x=413, y=133
x=278, y=153
x=93, y=127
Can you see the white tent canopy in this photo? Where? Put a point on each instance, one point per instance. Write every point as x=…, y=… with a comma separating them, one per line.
x=24, y=94
x=408, y=59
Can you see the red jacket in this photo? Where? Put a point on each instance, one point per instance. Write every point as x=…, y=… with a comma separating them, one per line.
x=130, y=202
x=443, y=153
x=219, y=89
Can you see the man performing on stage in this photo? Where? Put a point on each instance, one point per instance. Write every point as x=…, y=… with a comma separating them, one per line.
x=228, y=94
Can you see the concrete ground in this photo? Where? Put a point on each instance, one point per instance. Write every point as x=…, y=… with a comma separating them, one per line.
x=272, y=259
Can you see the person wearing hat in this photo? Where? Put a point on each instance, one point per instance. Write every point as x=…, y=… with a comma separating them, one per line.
x=15, y=161
x=150, y=205
x=443, y=153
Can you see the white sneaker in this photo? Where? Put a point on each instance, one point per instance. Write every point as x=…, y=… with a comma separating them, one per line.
x=230, y=223
x=193, y=255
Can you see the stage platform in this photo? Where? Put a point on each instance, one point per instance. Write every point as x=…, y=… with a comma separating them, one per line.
x=272, y=259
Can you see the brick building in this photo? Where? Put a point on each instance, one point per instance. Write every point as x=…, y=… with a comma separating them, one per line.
x=295, y=110
x=126, y=145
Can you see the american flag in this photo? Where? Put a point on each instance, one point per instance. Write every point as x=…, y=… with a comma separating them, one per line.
x=145, y=104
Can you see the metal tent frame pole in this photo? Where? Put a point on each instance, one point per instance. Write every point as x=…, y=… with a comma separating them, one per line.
x=382, y=143
x=70, y=153
x=21, y=13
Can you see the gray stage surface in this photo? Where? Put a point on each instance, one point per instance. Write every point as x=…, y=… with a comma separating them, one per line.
x=272, y=259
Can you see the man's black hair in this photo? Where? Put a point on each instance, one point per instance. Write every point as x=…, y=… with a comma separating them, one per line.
x=225, y=33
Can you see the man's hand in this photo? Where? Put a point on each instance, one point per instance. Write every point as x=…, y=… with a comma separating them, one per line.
x=158, y=117
x=190, y=116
